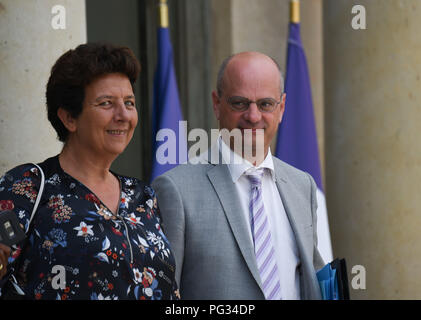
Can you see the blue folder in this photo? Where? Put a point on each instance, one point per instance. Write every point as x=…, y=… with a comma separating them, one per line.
x=333, y=281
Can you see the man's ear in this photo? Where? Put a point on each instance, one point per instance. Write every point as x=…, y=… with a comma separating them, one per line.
x=283, y=97
x=66, y=118
x=216, y=104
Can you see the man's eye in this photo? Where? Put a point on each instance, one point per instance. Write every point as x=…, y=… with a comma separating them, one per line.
x=266, y=103
x=239, y=103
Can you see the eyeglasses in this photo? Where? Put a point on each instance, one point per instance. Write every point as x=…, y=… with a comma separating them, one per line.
x=241, y=104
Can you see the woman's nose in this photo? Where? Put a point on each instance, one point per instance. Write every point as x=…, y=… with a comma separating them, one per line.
x=120, y=111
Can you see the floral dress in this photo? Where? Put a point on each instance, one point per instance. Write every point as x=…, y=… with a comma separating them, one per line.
x=100, y=255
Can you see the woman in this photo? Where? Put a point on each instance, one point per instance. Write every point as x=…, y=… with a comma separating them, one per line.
x=99, y=230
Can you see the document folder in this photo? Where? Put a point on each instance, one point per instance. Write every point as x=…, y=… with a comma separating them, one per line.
x=333, y=280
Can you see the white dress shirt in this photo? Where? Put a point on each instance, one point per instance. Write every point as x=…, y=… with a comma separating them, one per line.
x=283, y=238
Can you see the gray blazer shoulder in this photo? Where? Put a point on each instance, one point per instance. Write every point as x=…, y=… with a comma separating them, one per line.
x=295, y=176
x=303, y=181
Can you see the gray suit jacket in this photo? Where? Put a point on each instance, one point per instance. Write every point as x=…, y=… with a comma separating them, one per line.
x=201, y=217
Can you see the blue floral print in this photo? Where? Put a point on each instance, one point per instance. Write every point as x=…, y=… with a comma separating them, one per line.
x=106, y=256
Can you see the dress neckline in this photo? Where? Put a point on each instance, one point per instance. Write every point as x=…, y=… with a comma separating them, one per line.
x=70, y=177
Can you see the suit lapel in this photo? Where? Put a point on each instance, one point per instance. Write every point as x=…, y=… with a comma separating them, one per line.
x=296, y=221
x=291, y=204
x=228, y=196
x=230, y=202
x=287, y=201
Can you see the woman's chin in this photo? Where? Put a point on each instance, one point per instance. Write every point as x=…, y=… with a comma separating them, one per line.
x=115, y=150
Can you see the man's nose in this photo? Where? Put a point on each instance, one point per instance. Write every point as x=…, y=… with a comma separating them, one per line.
x=253, y=114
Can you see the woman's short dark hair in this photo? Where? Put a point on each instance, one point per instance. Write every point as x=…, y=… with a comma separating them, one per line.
x=75, y=69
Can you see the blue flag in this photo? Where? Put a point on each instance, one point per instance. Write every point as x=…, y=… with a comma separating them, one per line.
x=169, y=144
x=297, y=137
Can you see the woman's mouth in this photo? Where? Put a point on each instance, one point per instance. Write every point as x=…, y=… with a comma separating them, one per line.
x=117, y=132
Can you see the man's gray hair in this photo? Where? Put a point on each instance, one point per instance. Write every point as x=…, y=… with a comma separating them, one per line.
x=220, y=76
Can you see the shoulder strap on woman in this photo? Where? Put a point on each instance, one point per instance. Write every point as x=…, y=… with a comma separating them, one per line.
x=41, y=189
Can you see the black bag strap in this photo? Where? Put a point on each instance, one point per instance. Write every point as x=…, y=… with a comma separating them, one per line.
x=38, y=199
x=11, y=277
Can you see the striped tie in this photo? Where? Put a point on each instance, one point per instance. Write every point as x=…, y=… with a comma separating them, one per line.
x=263, y=247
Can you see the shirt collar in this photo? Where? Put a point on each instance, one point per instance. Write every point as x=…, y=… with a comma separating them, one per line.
x=238, y=165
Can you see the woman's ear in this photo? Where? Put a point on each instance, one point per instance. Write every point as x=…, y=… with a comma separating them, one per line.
x=66, y=118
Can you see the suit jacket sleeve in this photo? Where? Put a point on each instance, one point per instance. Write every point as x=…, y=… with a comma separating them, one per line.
x=173, y=221
x=317, y=258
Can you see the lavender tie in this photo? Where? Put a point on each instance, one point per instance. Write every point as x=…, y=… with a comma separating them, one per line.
x=263, y=246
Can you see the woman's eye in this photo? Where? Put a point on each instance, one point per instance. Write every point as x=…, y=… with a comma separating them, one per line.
x=129, y=103
x=105, y=103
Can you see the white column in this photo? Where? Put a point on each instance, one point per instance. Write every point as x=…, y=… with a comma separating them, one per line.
x=373, y=150
x=29, y=46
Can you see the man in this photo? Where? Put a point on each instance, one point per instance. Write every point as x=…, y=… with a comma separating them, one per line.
x=243, y=229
